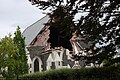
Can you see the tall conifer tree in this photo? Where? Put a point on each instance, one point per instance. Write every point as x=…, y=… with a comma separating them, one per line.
x=19, y=41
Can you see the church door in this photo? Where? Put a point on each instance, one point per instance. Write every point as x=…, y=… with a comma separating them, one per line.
x=36, y=65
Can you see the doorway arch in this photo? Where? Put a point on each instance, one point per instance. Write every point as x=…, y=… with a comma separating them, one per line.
x=37, y=64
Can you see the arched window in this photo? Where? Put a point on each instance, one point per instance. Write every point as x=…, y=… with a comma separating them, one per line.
x=36, y=65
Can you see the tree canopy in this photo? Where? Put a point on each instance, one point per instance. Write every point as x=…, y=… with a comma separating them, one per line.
x=13, y=58
x=8, y=52
x=98, y=21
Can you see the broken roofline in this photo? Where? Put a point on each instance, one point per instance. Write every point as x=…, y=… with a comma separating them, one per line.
x=33, y=30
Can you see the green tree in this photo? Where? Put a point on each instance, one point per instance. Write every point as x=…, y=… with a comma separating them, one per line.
x=8, y=52
x=99, y=23
x=19, y=41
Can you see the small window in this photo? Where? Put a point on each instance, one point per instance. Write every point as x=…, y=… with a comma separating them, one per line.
x=59, y=63
x=30, y=65
x=42, y=66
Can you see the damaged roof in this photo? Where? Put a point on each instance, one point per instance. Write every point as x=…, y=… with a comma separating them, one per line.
x=32, y=31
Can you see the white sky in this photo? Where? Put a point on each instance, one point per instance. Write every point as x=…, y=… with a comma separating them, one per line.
x=17, y=12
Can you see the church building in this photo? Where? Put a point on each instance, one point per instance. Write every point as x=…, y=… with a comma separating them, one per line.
x=40, y=56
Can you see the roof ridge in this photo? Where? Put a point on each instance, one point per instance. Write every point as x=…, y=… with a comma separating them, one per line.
x=34, y=23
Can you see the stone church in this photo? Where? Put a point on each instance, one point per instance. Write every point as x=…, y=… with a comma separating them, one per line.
x=40, y=56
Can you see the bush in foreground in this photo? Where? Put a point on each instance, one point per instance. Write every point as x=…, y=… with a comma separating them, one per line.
x=105, y=73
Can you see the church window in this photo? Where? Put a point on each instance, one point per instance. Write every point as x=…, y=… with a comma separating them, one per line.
x=59, y=63
x=30, y=65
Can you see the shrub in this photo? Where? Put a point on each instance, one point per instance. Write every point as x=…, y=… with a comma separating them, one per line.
x=104, y=73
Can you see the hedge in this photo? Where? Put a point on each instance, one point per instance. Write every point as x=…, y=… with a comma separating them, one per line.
x=104, y=73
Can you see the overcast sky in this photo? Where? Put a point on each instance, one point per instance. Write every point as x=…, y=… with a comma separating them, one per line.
x=17, y=12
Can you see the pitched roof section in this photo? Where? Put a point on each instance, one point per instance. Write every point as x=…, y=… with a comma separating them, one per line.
x=32, y=31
